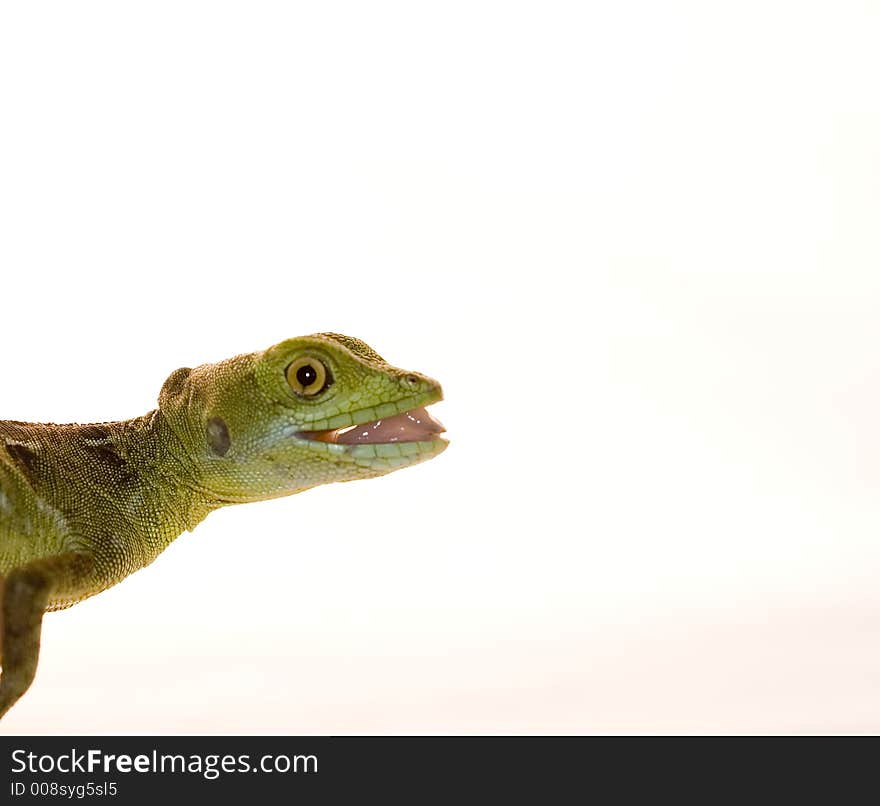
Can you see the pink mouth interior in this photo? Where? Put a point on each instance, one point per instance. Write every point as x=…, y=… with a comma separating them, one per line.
x=411, y=426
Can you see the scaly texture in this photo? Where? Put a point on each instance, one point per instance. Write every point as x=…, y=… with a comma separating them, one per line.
x=84, y=506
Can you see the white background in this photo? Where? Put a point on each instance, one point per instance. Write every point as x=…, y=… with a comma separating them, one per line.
x=638, y=244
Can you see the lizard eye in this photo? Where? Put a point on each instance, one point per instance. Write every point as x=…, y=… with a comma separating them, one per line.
x=307, y=377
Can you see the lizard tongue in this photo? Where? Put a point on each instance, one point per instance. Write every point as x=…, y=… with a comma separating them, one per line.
x=411, y=426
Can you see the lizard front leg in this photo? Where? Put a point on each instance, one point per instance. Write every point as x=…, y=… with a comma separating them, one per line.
x=26, y=594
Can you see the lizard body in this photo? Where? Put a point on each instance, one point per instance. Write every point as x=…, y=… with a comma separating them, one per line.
x=84, y=506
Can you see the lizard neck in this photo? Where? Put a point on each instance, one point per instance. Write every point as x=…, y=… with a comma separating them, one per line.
x=128, y=484
x=171, y=500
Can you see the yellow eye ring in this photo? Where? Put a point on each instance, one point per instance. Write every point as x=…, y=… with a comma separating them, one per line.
x=307, y=376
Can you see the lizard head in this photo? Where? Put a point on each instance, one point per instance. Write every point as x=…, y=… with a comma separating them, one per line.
x=308, y=411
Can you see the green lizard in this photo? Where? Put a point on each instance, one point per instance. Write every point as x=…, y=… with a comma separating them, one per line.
x=83, y=506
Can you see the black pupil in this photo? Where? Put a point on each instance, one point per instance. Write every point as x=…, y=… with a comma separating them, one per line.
x=306, y=375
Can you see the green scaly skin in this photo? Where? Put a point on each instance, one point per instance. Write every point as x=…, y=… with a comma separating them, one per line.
x=84, y=506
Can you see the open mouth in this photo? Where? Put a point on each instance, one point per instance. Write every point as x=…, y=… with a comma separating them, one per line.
x=415, y=425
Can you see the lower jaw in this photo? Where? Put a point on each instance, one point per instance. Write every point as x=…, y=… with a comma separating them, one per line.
x=387, y=454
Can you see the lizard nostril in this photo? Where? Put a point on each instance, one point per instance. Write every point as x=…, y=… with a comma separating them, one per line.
x=411, y=380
